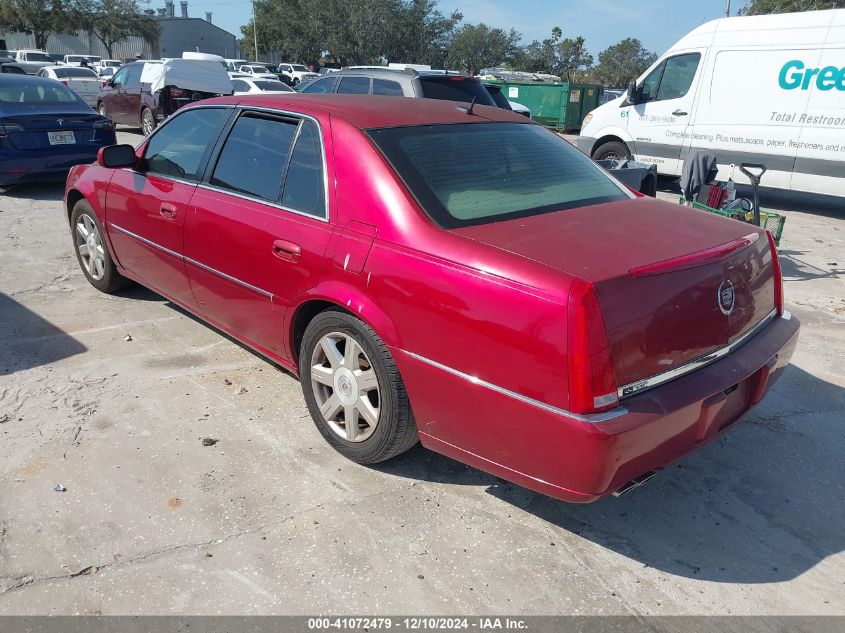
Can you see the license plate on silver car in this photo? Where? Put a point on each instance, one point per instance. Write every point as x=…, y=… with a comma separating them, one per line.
x=61, y=138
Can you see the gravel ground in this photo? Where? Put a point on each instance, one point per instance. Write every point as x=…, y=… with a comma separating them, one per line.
x=112, y=396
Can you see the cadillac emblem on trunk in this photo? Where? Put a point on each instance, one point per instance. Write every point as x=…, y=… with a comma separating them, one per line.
x=725, y=296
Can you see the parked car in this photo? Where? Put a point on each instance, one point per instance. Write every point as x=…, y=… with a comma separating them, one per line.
x=107, y=72
x=83, y=81
x=232, y=65
x=247, y=86
x=296, y=73
x=108, y=63
x=77, y=60
x=17, y=69
x=147, y=92
x=610, y=94
x=32, y=61
x=502, y=102
x=460, y=276
x=257, y=71
x=45, y=128
x=408, y=83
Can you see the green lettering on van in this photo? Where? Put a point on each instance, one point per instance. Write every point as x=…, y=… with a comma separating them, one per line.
x=794, y=76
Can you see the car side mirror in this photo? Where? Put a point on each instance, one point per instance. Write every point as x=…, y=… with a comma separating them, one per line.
x=633, y=97
x=116, y=156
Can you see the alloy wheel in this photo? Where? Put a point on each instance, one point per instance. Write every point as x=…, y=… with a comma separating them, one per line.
x=89, y=243
x=345, y=387
x=147, y=122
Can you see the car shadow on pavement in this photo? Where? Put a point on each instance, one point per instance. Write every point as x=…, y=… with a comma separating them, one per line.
x=795, y=268
x=52, y=190
x=28, y=340
x=763, y=504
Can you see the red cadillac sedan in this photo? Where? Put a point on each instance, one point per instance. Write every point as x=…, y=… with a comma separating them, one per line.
x=446, y=274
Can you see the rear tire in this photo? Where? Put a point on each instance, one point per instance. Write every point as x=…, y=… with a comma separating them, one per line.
x=295, y=81
x=148, y=121
x=92, y=250
x=358, y=378
x=612, y=150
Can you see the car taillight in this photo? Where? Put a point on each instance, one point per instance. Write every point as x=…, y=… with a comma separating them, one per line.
x=778, y=273
x=104, y=124
x=6, y=127
x=592, y=382
x=176, y=92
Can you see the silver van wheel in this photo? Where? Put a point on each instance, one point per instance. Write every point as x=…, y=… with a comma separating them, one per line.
x=345, y=387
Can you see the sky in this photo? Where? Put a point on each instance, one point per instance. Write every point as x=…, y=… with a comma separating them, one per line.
x=657, y=23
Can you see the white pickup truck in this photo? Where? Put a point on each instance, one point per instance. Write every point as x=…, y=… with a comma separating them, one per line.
x=32, y=61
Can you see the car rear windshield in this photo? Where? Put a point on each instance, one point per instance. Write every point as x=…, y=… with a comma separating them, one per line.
x=475, y=173
x=455, y=88
x=273, y=85
x=32, y=93
x=74, y=71
x=38, y=57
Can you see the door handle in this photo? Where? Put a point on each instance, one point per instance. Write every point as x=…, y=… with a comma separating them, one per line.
x=283, y=249
x=167, y=210
x=679, y=113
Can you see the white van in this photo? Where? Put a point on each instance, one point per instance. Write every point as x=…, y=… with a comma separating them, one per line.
x=763, y=89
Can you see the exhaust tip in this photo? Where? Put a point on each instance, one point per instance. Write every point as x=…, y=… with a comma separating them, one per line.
x=634, y=483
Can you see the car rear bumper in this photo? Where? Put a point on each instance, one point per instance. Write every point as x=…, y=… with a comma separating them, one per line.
x=577, y=460
x=14, y=169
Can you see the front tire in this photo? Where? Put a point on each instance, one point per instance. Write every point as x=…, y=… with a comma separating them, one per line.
x=295, y=81
x=612, y=150
x=353, y=389
x=92, y=252
x=148, y=121
x=101, y=108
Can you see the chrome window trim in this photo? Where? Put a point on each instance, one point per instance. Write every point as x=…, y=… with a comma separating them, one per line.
x=637, y=387
x=592, y=418
x=164, y=249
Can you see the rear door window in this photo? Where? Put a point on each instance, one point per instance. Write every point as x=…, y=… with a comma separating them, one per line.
x=387, y=88
x=304, y=185
x=255, y=155
x=177, y=149
x=354, y=86
x=455, y=88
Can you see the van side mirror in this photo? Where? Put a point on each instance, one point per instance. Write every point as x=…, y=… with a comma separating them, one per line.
x=633, y=97
x=116, y=156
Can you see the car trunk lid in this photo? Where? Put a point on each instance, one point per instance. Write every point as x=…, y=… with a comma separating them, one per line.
x=674, y=284
x=32, y=131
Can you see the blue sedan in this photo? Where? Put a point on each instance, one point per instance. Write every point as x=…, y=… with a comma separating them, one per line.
x=45, y=129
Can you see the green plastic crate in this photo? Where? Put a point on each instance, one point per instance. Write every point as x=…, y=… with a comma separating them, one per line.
x=769, y=220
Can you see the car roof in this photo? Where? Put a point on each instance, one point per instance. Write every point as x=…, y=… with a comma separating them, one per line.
x=370, y=111
x=12, y=78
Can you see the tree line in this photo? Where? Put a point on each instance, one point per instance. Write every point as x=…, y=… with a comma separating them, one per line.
x=370, y=32
x=417, y=32
x=110, y=21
